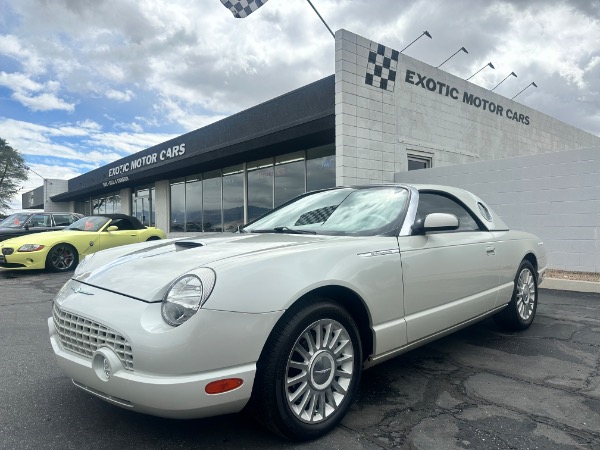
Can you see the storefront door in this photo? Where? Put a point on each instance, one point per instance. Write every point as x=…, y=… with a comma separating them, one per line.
x=143, y=207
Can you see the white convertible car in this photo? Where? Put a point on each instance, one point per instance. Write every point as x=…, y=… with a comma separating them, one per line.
x=282, y=316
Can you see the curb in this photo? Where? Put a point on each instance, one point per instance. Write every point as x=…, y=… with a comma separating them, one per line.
x=570, y=285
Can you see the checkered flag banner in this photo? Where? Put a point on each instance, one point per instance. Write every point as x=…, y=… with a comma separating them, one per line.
x=243, y=8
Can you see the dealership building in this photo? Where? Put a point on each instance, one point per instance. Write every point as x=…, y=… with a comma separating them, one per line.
x=380, y=114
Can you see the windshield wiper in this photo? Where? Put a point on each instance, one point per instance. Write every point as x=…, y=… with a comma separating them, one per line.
x=292, y=231
x=283, y=230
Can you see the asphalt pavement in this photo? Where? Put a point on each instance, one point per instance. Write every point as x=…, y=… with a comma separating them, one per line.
x=479, y=388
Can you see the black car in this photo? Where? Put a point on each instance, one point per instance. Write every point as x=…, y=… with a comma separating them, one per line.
x=19, y=224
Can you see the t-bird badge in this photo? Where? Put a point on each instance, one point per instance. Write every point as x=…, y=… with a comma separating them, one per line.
x=81, y=291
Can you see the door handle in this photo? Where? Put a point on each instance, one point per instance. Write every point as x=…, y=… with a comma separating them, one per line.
x=490, y=250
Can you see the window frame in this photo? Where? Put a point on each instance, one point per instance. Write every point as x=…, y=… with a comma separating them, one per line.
x=419, y=158
x=481, y=226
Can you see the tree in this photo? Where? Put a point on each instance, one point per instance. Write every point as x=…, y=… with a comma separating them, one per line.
x=12, y=171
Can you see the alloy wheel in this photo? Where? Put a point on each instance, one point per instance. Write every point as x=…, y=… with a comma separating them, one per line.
x=319, y=371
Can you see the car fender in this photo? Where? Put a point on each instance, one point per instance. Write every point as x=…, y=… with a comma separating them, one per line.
x=371, y=268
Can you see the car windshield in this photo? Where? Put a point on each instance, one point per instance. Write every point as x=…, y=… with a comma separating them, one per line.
x=365, y=212
x=14, y=221
x=91, y=223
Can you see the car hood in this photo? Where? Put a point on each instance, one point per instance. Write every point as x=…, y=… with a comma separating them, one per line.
x=46, y=237
x=144, y=271
x=6, y=233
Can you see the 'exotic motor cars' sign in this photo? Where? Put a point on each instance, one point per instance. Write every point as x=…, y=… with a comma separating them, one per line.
x=443, y=89
x=144, y=161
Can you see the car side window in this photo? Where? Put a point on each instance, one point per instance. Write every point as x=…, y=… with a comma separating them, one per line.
x=62, y=220
x=122, y=224
x=40, y=220
x=430, y=202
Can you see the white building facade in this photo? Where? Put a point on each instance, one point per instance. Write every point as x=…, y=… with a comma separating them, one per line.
x=394, y=113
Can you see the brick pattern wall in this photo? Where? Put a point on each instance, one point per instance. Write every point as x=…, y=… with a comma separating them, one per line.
x=554, y=195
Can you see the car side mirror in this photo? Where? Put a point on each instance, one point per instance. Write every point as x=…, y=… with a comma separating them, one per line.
x=435, y=222
x=113, y=228
x=26, y=226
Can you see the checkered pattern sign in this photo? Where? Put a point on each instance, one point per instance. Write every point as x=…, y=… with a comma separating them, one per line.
x=243, y=8
x=382, y=67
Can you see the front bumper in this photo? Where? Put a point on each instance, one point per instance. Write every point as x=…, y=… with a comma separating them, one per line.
x=171, y=367
x=24, y=260
x=179, y=397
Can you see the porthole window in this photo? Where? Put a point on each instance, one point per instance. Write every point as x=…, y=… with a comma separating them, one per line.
x=485, y=212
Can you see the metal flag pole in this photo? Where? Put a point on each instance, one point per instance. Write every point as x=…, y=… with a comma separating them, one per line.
x=324, y=23
x=487, y=65
x=512, y=73
x=462, y=49
x=530, y=84
x=425, y=33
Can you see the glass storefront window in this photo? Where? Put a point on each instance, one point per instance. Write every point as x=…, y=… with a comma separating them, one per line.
x=142, y=205
x=214, y=201
x=289, y=177
x=233, y=197
x=99, y=206
x=110, y=207
x=320, y=167
x=152, y=208
x=117, y=204
x=211, y=200
x=260, y=188
x=178, y=205
x=193, y=204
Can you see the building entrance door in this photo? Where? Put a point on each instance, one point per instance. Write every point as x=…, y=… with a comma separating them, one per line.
x=143, y=209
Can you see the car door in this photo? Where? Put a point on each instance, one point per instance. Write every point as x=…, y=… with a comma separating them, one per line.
x=122, y=236
x=63, y=220
x=448, y=276
x=38, y=223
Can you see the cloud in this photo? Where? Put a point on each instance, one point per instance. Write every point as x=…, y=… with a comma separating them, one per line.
x=43, y=102
x=19, y=82
x=92, y=147
x=12, y=47
x=120, y=96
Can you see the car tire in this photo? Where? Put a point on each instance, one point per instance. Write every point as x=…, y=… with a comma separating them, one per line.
x=62, y=258
x=520, y=312
x=309, y=371
x=153, y=238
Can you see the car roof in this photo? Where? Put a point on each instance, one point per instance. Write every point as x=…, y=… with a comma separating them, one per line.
x=469, y=199
x=135, y=223
x=29, y=213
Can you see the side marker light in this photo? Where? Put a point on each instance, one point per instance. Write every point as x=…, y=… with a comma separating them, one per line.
x=221, y=386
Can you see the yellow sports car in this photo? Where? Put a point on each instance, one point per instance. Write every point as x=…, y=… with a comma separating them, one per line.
x=60, y=251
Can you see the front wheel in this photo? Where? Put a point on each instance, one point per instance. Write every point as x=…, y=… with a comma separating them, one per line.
x=61, y=258
x=519, y=313
x=309, y=372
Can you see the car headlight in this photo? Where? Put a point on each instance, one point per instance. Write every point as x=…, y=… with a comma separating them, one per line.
x=186, y=295
x=80, y=267
x=30, y=248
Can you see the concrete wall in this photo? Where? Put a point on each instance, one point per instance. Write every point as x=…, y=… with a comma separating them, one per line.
x=555, y=196
x=126, y=207
x=55, y=187
x=40, y=197
x=162, y=204
x=412, y=107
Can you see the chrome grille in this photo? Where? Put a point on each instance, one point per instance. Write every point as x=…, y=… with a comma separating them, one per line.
x=84, y=336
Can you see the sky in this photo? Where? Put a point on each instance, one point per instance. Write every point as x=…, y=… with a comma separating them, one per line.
x=86, y=82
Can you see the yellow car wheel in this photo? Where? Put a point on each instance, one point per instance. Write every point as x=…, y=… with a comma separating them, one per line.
x=61, y=258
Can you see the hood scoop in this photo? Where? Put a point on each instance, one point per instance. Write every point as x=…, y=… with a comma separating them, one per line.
x=184, y=245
